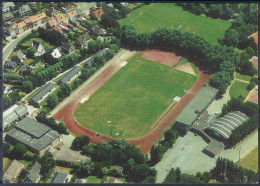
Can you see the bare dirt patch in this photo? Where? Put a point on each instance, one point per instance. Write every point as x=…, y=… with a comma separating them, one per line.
x=254, y=96
x=166, y=58
x=186, y=68
x=255, y=62
x=255, y=36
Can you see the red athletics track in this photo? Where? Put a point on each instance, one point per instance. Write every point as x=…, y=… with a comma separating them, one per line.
x=145, y=143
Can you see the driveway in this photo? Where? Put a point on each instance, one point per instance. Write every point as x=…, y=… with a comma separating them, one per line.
x=186, y=154
x=65, y=153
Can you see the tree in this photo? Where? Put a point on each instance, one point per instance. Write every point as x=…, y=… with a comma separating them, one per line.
x=231, y=38
x=171, y=177
x=156, y=154
x=6, y=101
x=206, y=176
x=27, y=86
x=65, y=88
x=251, y=85
x=30, y=52
x=227, y=66
x=105, y=171
x=84, y=168
x=6, y=149
x=138, y=173
x=102, y=152
x=99, y=60
x=52, y=101
x=18, y=151
x=79, y=142
x=47, y=162
x=88, y=149
x=221, y=81
x=250, y=51
x=61, y=128
x=178, y=175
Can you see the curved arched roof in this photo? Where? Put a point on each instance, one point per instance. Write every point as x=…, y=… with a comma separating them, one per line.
x=224, y=125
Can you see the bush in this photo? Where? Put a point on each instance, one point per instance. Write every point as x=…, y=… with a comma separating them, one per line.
x=64, y=163
x=251, y=85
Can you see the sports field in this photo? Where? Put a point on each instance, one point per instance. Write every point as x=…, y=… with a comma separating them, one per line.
x=251, y=161
x=157, y=15
x=127, y=105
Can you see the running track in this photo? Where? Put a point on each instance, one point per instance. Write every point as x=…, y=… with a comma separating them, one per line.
x=145, y=143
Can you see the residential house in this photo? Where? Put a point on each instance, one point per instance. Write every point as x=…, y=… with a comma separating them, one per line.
x=72, y=14
x=17, y=29
x=35, y=136
x=7, y=6
x=67, y=48
x=34, y=174
x=59, y=177
x=18, y=57
x=107, y=7
x=8, y=16
x=10, y=66
x=27, y=23
x=39, y=48
x=95, y=13
x=25, y=70
x=63, y=18
x=75, y=22
x=12, y=171
x=57, y=29
x=81, y=40
x=56, y=53
x=96, y=31
x=50, y=11
x=24, y=9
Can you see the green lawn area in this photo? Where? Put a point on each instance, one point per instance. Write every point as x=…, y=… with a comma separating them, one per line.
x=62, y=169
x=157, y=15
x=243, y=77
x=27, y=61
x=130, y=102
x=93, y=179
x=251, y=161
x=45, y=45
x=238, y=88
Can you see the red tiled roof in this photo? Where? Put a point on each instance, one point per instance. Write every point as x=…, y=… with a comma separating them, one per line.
x=98, y=12
x=72, y=13
x=64, y=24
x=52, y=22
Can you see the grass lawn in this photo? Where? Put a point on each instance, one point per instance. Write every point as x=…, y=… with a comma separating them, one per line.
x=5, y=162
x=183, y=61
x=157, y=15
x=130, y=102
x=28, y=61
x=93, y=179
x=62, y=169
x=45, y=45
x=243, y=77
x=250, y=161
x=238, y=88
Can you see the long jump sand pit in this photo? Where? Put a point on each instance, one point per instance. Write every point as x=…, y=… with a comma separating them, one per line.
x=254, y=96
x=186, y=68
x=166, y=58
x=255, y=62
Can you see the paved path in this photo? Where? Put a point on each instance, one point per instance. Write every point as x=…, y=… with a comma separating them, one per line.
x=216, y=105
x=187, y=154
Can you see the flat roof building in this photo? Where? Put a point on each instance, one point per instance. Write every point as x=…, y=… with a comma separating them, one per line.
x=34, y=174
x=12, y=171
x=37, y=137
x=14, y=113
x=195, y=108
x=42, y=92
x=70, y=74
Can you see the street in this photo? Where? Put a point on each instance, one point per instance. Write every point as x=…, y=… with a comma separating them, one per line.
x=7, y=50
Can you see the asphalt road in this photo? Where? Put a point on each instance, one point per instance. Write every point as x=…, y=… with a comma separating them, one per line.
x=7, y=50
x=84, y=7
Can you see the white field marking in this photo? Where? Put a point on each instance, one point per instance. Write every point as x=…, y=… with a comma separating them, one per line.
x=84, y=99
x=177, y=98
x=123, y=64
x=179, y=26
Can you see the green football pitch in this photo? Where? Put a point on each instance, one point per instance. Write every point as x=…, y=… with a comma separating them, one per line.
x=129, y=103
x=156, y=15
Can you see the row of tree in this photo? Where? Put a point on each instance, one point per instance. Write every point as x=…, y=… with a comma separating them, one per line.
x=113, y=153
x=158, y=151
x=221, y=59
x=243, y=130
x=175, y=176
x=230, y=172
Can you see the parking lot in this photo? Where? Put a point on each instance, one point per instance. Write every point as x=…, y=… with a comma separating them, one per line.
x=186, y=154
